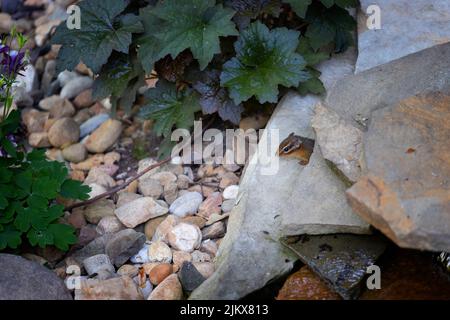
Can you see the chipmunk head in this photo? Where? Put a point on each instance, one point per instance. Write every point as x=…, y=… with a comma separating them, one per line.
x=291, y=143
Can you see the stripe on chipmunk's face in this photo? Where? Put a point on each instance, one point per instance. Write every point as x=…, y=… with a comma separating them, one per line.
x=291, y=143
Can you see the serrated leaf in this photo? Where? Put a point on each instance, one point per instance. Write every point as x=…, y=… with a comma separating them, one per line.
x=102, y=31
x=24, y=180
x=312, y=58
x=328, y=26
x=213, y=98
x=3, y=202
x=173, y=26
x=40, y=237
x=299, y=6
x=265, y=59
x=165, y=148
x=169, y=107
x=7, y=215
x=246, y=10
x=313, y=85
x=10, y=237
x=63, y=235
x=36, y=201
x=72, y=189
x=5, y=175
x=45, y=187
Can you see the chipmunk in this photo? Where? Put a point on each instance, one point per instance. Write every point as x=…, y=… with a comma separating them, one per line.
x=296, y=147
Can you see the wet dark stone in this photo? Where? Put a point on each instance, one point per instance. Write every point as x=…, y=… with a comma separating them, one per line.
x=190, y=277
x=410, y=275
x=340, y=260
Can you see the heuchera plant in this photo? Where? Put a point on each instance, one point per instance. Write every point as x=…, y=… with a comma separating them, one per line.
x=213, y=56
x=29, y=184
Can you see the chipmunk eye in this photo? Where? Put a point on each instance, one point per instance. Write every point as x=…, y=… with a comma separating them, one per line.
x=286, y=149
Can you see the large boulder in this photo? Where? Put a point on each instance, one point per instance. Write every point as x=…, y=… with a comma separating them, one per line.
x=407, y=191
x=291, y=200
x=407, y=27
x=21, y=279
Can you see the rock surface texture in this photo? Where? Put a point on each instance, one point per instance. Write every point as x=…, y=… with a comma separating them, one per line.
x=407, y=191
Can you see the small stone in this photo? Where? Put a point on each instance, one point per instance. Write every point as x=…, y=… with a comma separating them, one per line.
x=75, y=86
x=96, y=190
x=84, y=99
x=97, y=263
x=65, y=131
x=109, y=224
x=160, y=272
x=179, y=257
x=76, y=219
x=255, y=122
x=146, y=289
x=205, y=268
x=185, y=237
x=141, y=256
x=159, y=252
x=162, y=231
x=306, y=285
x=183, y=181
x=81, y=117
x=165, y=177
x=75, y=153
x=148, y=267
x=111, y=157
x=151, y=226
x=198, y=256
x=170, y=192
x=90, y=124
x=169, y=289
x=150, y=188
x=121, y=288
x=39, y=140
x=195, y=220
x=77, y=175
x=128, y=270
x=210, y=247
x=211, y=205
x=104, y=137
x=48, y=103
x=228, y=179
x=215, y=218
x=190, y=277
x=62, y=109
x=98, y=176
x=214, y=231
x=98, y=210
x=123, y=245
x=228, y=205
x=127, y=197
x=34, y=120
x=187, y=204
x=86, y=235
x=140, y=211
x=231, y=192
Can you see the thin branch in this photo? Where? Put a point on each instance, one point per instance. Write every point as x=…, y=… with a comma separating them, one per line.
x=118, y=188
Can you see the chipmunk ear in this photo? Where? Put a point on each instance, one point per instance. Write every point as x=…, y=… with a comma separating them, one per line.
x=291, y=135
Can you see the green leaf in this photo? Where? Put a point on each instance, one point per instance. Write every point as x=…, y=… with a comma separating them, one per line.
x=169, y=107
x=265, y=59
x=3, y=202
x=311, y=57
x=176, y=25
x=37, y=201
x=314, y=85
x=24, y=180
x=215, y=99
x=165, y=148
x=9, y=147
x=7, y=215
x=246, y=10
x=102, y=31
x=40, y=237
x=45, y=187
x=10, y=237
x=299, y=6
x=5, y=175
x=72, y=189
x=63, y=235
x=328, y=26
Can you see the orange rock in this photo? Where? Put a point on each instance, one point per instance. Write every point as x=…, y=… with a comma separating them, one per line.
x=160, y=272
x=306, y=285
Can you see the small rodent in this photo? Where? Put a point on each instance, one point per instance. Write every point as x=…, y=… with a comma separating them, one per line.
x=296, y=147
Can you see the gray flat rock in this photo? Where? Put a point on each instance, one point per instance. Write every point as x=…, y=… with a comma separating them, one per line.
x=21, y=279
x=407, y=27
